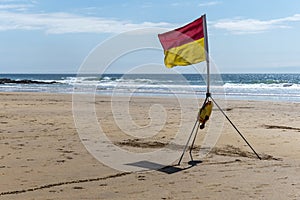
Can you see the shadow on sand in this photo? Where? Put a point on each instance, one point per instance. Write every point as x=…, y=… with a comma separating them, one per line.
x=170, y=169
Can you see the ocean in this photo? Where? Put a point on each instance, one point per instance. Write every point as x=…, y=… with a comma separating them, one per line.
x=267, y=87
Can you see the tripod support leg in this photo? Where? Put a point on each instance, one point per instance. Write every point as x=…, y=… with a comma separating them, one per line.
x=235, y=128
x=188, y=141
x=192, y=146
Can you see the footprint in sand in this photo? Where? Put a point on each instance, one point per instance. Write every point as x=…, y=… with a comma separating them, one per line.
x=141, y=178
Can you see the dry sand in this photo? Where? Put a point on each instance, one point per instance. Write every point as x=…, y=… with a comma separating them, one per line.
x=42, y=156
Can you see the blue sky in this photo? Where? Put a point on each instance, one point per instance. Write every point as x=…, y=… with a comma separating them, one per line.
x=55, y=36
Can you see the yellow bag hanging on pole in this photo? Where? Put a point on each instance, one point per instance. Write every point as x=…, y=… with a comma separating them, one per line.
x=205, y=113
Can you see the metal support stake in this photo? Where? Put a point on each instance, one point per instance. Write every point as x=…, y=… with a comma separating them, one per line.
x=188, y=141
x=236, y=128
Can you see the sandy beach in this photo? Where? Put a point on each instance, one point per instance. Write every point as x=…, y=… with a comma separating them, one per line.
x=43, y=157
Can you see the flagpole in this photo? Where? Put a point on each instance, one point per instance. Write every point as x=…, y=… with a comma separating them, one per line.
x=173, y=62
x=206, y=55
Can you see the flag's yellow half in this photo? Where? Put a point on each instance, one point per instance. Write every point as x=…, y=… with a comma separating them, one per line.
x=185, y=54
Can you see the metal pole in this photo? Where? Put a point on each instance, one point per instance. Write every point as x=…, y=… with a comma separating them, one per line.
x=192, y=146
x=207, y=91
x=206, y=52
x=235, y=128
x=188, y=141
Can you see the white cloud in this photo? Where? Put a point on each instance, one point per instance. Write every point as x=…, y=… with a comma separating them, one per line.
x=248, y=26
x=181, y=4
x=15, y=6
x=187, y=3
x=147, y=5
x=59, y=23
x=175, y=4
x=7, y=1
x=210, y=3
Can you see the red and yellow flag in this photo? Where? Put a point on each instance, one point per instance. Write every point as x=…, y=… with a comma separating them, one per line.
x=185, y=45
